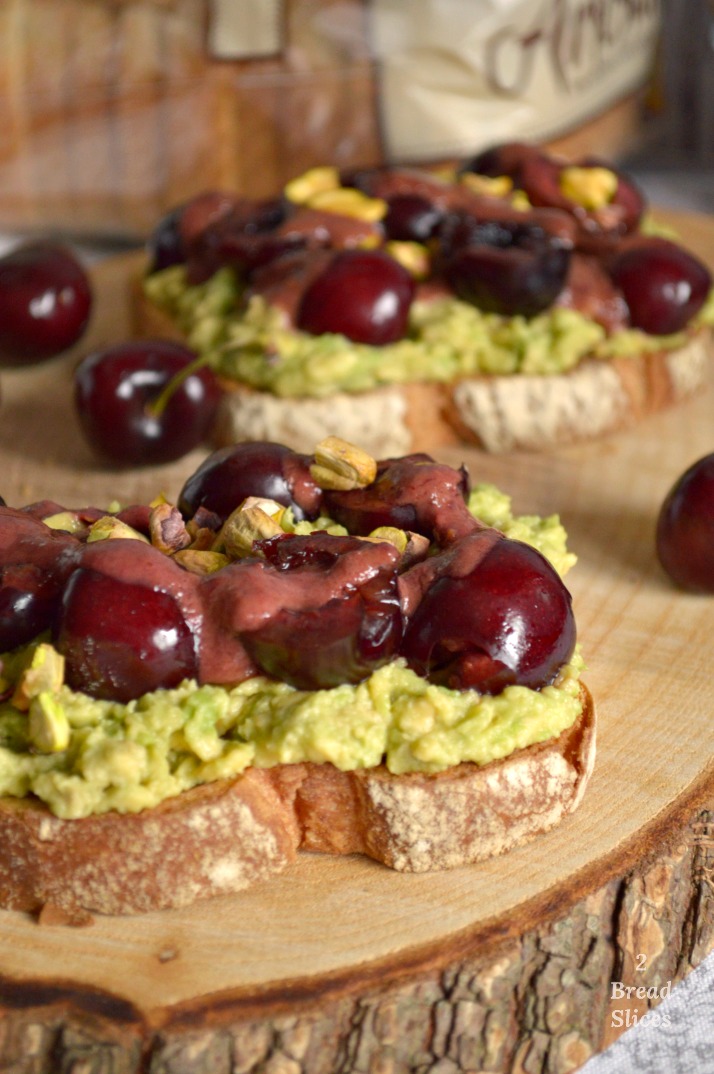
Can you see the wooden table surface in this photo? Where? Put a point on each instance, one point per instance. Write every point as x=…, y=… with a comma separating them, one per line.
x=328, y=935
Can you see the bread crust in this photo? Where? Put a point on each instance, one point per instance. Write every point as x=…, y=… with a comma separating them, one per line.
x=223, y=837
x=515, y=412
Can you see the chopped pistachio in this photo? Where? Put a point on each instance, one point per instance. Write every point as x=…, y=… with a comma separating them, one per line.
x=271, y=507
x=349, y=202
x=43, y=674
x=391, y=534
x=201, y=560
x=109, y=527
x=342, y=466
x=167, y=528
x=242, y=527
x=412, y=546
x=304, y=187
x=593, y=188
x=413, y=256
x=65, y=520
x=203, y=538
x=521, y=201
x=496, y=186
x=48, y=726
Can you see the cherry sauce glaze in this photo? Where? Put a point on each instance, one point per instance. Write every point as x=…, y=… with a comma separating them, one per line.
x=332, y=271
x=471, y=608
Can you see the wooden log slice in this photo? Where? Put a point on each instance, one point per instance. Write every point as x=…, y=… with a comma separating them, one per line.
x=341, y=965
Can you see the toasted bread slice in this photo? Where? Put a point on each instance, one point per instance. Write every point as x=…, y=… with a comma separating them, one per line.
x=498, y=413
x=223, y=837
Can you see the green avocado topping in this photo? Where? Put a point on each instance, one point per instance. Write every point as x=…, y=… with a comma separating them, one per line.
x=81, y=756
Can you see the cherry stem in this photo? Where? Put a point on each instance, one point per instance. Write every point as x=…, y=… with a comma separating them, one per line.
x=158, y=406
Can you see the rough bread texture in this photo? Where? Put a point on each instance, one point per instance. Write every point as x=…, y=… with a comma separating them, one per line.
x=498, y=413
x=532, y=413
x=223, y=837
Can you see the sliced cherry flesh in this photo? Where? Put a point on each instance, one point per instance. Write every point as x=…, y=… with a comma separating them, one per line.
x=506, y=268
x=509, y=621
x=121, y=640
x=663, y=285
x=116, y=395
x=685, y=528
x=343, y=640
x=363, y=294
x=45, y=303
x=255, y=468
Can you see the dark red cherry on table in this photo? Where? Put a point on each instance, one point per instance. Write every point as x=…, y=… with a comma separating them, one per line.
x=663, y=285
x=508, y=621
x=45, y=303
x=141, y=403
x=685, y=528
x=363, y=294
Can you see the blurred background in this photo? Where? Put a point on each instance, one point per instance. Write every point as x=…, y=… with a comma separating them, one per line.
x=116, y=110
x=675, y=163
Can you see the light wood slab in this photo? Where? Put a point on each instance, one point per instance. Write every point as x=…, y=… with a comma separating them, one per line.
x=344, y=965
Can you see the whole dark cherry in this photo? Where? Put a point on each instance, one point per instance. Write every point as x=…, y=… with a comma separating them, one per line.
x=121, y=640
x=45, y=303
x=254, y=468
x=363, y=294
x=685, y=528
x=341, y=641
x=140, y=403
x=663, y=285
x=503, y=267
x=411, y=218
x=508, y=621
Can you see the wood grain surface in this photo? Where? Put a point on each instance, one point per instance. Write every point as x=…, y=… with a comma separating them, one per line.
x=300, y=970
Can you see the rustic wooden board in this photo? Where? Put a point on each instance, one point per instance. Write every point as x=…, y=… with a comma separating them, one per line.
x=342, y=965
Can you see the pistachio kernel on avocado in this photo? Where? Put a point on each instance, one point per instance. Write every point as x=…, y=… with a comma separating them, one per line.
x=48, y=726
x=43, y=673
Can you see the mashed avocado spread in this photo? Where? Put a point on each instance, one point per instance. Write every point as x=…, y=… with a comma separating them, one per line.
x=131, y=757
x=447, y=339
